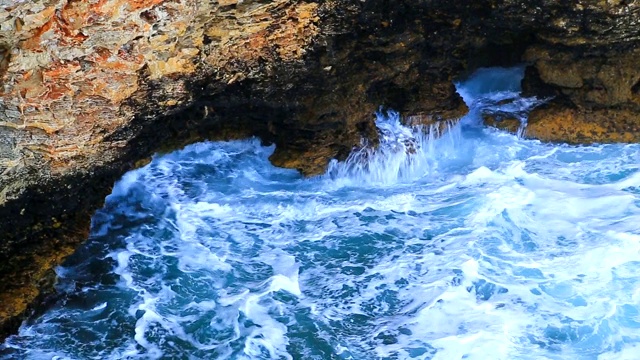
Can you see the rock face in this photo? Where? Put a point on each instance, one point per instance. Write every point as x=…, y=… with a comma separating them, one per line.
x=585, y=56
x=89, y=88
x=595, y=89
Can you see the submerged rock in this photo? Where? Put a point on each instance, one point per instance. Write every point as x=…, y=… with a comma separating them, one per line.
x=91, y=88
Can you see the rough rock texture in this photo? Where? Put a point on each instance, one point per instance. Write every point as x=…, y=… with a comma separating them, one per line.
x=89, y=88
x=588, y=61
x=595, y=89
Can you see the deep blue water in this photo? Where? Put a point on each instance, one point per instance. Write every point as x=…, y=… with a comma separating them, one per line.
x=470, y=244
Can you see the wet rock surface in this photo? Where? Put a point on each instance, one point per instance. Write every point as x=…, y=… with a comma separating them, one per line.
x=91, y=88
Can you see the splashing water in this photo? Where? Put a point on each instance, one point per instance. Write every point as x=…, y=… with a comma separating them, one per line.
x=403, y=153
x=496, y=92
x=472, y=245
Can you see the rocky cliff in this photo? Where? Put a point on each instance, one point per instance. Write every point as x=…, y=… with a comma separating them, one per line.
x=92, y=88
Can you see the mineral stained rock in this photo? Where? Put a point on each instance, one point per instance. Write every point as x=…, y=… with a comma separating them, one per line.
x=91, y=88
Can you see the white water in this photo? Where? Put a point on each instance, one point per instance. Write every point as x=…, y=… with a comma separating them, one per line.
x=473, y=245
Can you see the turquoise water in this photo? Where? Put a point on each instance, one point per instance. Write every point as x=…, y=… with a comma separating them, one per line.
x=475, y=244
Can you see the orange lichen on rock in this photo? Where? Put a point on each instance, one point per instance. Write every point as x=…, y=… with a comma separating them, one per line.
x=70, y=70
x=264, y=38
x=142, y=4
x=35, y=20
x=67, y=55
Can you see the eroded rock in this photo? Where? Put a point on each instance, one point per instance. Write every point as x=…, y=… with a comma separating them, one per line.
x=595, y=94
x=91, y=87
